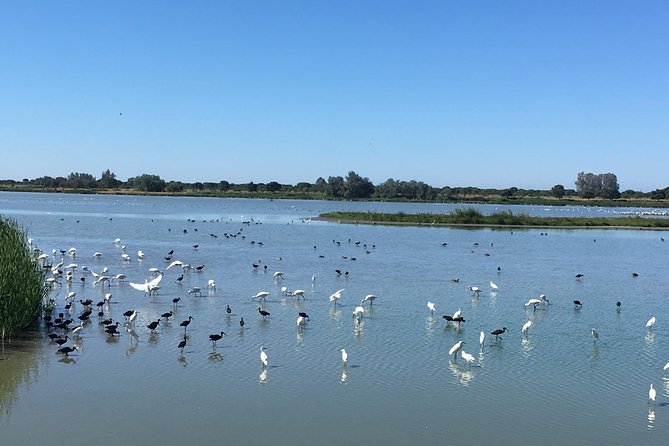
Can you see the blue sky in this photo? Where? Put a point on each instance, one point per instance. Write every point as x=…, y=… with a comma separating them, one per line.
x=493, y=93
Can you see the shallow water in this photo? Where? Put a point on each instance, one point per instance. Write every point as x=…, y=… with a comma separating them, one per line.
x=553, y=386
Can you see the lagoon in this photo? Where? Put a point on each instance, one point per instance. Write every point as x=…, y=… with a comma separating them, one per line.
x=555, y=386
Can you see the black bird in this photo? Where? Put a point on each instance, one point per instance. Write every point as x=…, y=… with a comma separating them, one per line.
x=112, y=329
x=578, y=303
x=195, y=246
x=107, y=321
x=167, y=315
x=458, y=320
x=171, y=252
x=53, y=336
x=182, y=344
x=263, y=313
x=304, y=315
x=199, y=267
x=241, y=322
x=448, y=318
x=176, y=300
x=498, y=332
x=635, y=274
x=153, y=325
x=185, y=323
x=66, y=350
x=216, y=337
x=85, y=315
x=228, y=309
x=180, y=278
x=128, y=313
x=61, y=341
x=618, y=306
x=579, y=275
x=338, y=272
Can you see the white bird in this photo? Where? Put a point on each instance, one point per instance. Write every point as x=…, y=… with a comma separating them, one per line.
x=125, y=257
x=457, y=313
x=652, y=393
x=97, y=255
x=666, y=366
x=71, y=295
x=454, y=350
x=117, y=241
x=369, y=298
x=108, y=297
x=262, y=295
x=358, y=312
x=595, y=335
x=481, y=338
x=467, y=357
x=278, y=275
x=78, y=328
x=474, y=289
x=650, y=322
x=175, y=263
x=344, y=356
x=263, y=357
x=299, y=293
x=102, y=280
x=533, y=303
x=72, y=266
x=196, y=290
x=526, y=327
x=285, y=291
x=431, y=306
x=336, y=296
x=148, y=286
x=155, y=271
x=119, y=277
x=494, y=286
x=211, y=284
x=132, y=316
x=300, y=321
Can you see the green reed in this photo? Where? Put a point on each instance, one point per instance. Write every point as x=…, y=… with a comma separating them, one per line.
x=22, y=288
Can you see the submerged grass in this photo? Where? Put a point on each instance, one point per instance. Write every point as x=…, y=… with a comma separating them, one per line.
x=22, y=287
x=471, y=216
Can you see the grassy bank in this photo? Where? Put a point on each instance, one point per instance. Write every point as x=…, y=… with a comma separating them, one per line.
x=470, y=216
x=22, y=286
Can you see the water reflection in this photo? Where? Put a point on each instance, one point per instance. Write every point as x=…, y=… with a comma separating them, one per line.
x=358, y=328
x=182, y=360
x=335, y=313
x=263, y=376
x=131, y=350
x=463, y=374
x=67, y=360
x=344, y=375
x=527, y=346
x=651, y=417
x=215, y=356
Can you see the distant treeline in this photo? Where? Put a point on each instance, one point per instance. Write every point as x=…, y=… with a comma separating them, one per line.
x=601, y=187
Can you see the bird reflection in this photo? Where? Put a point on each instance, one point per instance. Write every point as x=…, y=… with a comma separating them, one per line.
x=182, y=360
x=132, y=349
x=462, y=376
x=595, y=353
x=335, y=313
x=215, y=356
x=67, y=360
x=344, y=375
x=527, y=346
x=649, y=338
x=358, y=328
x=651, y=417
x=263, y=376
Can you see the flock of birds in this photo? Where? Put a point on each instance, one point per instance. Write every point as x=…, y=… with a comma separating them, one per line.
x=65, y=326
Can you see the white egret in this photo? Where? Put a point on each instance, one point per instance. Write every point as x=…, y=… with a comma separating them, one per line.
x=108, y=297
x=454, y=350
x=262, y=295
x=263, y=356
x=650, y=322
x=652, y=393
x=481, y=338
x=149, y=287
x=526, y=327
x=595, y=335
x=457, y=313
x=344, y=356
x=140, y=254
x=431, y=306
x=467, y=357
x=211, y=284
x=494, y=286
x=334, y=297
x=175, y=263
x=300, y=321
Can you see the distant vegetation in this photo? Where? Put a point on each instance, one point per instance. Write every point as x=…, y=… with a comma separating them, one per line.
x=22, y=288
x=470, y=216
x=591, y=189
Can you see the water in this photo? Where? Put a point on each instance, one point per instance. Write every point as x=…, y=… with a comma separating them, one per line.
x=555, y=386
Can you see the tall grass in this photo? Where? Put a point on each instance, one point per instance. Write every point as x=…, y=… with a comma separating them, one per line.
x=22, y=288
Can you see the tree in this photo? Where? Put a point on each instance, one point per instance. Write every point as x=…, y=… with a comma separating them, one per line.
x=357, y=186
x=558, y=191
x=77, y=180
x=335, y=187
x=658, y=194
x=588, y=185
x=610, y=188
x=108, y=180
x=174, y=186
x=147, y=183
x=223, y=185
x=251, y=187
x=273, y=186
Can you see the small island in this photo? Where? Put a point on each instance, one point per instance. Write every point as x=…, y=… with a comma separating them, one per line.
x=470, y=217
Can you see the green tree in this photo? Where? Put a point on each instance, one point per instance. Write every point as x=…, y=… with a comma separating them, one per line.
x=223, y=185
x=356, y=186
x=558, y=191
x=77, y=180
x=335, y=187
x=148, y=183
x=108, y=180
x=273, y=186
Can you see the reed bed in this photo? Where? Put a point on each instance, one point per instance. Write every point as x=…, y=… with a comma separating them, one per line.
x=22, y=288
x=469, y=216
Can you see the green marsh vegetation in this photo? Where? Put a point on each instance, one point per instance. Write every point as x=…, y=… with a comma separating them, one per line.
x=469, y=216
x=22, y=288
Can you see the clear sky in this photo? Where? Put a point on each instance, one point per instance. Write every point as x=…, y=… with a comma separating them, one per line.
x=495, y=93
